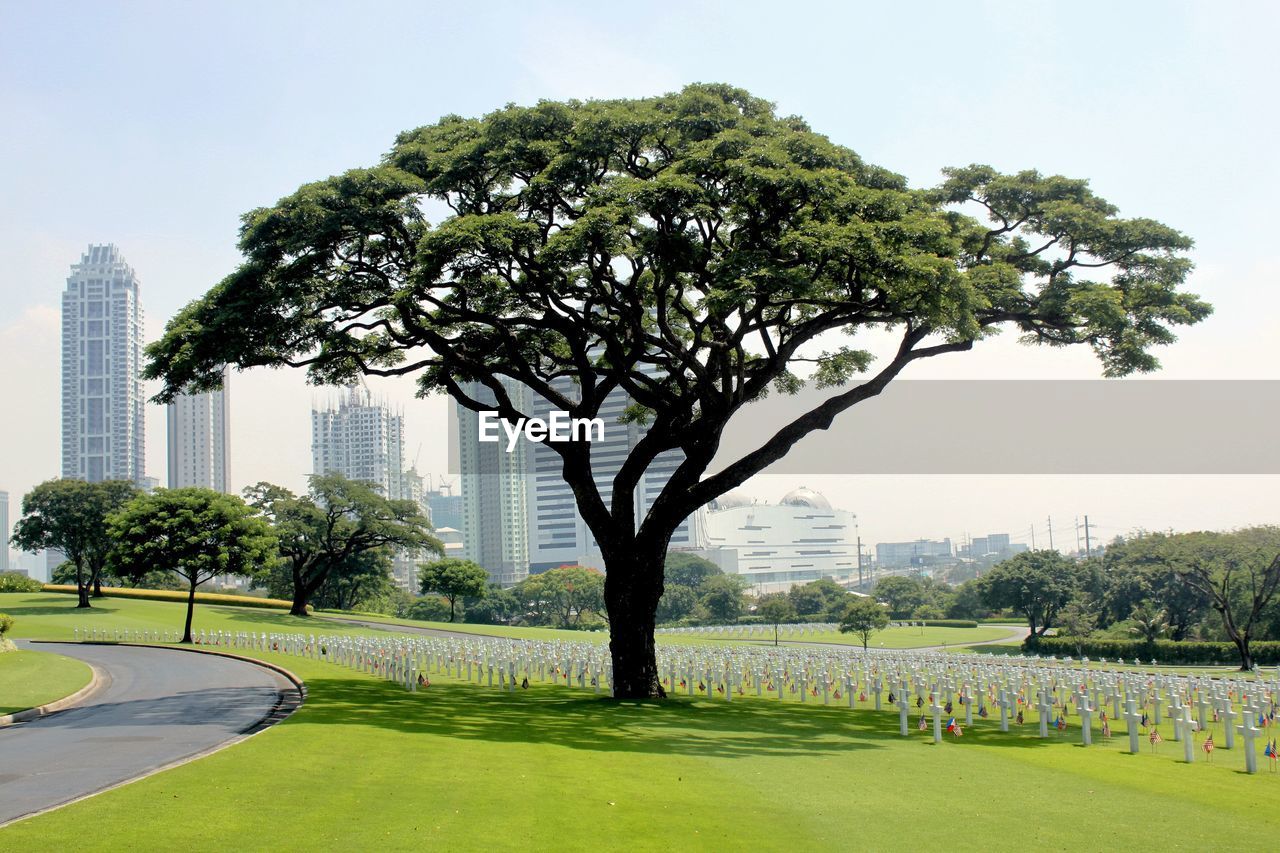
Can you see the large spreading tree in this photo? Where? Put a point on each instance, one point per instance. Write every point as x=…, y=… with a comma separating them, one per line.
x=693, y=251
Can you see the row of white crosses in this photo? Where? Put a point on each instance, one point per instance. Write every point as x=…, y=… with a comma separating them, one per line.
x=931, y=682
x=764, y=631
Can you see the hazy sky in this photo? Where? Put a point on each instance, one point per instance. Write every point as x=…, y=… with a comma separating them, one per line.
x=155, y=125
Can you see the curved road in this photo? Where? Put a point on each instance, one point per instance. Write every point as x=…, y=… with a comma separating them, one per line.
x=155, y=707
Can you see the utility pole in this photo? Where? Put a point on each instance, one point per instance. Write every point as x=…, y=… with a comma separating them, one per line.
x=859, y=562
x=1033, y=537
x=1051, y=533
x=1077, y=534
x=1088, y=551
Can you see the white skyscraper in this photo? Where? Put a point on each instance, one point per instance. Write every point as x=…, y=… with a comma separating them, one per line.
x=198, y=440
x=363, y=439
x=103, y=432
x=494, y=505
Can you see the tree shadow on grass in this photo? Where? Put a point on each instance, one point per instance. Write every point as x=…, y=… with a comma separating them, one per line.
x=566, y=718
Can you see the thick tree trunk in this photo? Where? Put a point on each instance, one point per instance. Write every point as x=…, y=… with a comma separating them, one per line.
x=191, y=609
x=300, y=598
x=82, y=588
x=302, y=592
x=632, y=587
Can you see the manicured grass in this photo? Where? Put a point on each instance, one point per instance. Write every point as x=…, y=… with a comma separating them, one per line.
x=365, y=764
x=30, y=679
x=51, y=616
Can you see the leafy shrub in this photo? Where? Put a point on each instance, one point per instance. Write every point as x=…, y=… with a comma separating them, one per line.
x=18, y=582
x=6, y=624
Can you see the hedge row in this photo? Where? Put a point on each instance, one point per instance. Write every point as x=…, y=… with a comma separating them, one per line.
x=946, y=623
x=1162, y=651
x=178, y=595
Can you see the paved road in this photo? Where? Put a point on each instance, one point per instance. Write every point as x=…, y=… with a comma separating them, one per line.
x=155, y=707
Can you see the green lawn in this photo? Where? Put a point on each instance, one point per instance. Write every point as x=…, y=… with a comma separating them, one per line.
x=51, y=616
x=364, y=764
x=30, y=679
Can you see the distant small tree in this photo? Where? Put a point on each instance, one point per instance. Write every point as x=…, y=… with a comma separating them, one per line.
x=454, y=578
x=1148, y=623
x=722, y=597
x=323, y=531
x=776, y=609
x=363, y=577
x=900, y=594
x=677, y=602
x=430, y=608
x=1037, y=584
x=198, y=533
x=497, y=606
x=863, y=617
x=71, y=516
x=688, y=570
x=1077, y=621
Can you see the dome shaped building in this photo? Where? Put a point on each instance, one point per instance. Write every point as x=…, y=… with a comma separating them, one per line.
x=774, y=546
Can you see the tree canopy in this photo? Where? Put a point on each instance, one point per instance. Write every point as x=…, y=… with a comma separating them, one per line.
x=693, y=251
x=863, y=616
x=1037, y=584
x=197, y=533
x=327, y=531
x=71, y=516
x=453, y=578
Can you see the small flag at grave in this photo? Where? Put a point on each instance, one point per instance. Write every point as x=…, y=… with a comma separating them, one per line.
x=923, y=724
x=1060, y=724
x=947, y=708
x=982, y=711
x=1106, y=727
x=1155, y=738
x=862, y=697
x=1208, y=745
x=953, y=727
x=892, y=698
x=1144, y=722
x=1020, y=717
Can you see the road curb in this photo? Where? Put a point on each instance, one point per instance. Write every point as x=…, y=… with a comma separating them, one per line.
x=98, y=680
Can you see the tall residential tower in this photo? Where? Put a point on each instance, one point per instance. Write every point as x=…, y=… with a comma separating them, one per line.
x=198, y=440
x=103, y=433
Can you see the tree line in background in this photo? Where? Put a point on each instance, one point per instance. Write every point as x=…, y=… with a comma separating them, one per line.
x=334, y=547
x=1184, y=587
